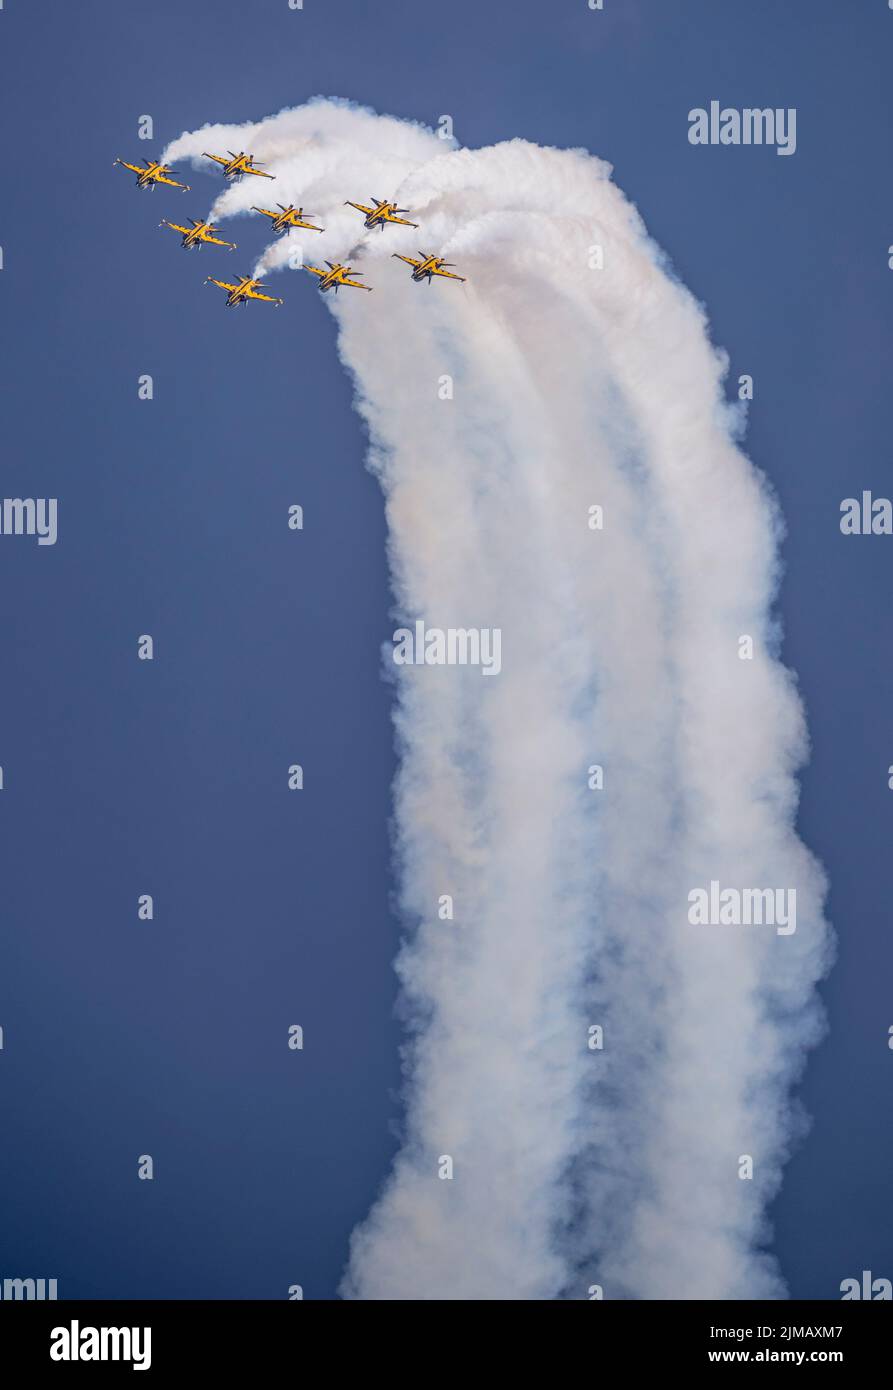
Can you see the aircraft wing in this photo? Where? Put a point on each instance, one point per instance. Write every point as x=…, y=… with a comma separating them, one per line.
x=270, y=298
x=224, y=284
x=137, y=168
x=175, y=183
x=355, y=284
x=408, y=259
x=315, y=270
x=266, y=212
x=402, y=220
x=448, y=273
x=360, y=207
x=215, y=240
x=175, y=228
x=261, y=173
x=216, y=157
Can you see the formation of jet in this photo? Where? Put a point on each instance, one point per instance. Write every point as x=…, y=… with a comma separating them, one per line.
x=241, y=293
x=237, y=165
x=199, y=234
x=150, y=172
x=428, y=267
x=336, y=276
x=286, y=218
x=380, y=213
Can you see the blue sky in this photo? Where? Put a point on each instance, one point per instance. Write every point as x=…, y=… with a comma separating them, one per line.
x=121, y=778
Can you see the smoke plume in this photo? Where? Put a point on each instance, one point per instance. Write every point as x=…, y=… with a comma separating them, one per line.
x=557, y=461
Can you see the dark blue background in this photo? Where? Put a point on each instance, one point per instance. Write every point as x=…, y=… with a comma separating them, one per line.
x=124, y=777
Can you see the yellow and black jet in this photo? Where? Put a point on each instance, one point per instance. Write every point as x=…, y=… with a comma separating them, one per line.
x=380, y=213
x=199, y=234
x=286, y=218
x=336, y=276
x=428, y=267
x=237, y=165
x=241, y=293
x=150, y=172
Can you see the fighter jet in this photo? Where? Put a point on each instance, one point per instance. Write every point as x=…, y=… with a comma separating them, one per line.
x=428, y=267
x=237, y=165
x=150, y=172
x=288, y=217
x=199, y=234
x=241, y=293
x=381, y=213
x=336, y=276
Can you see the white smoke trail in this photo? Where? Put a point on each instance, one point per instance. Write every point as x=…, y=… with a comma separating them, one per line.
x=574, y=386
